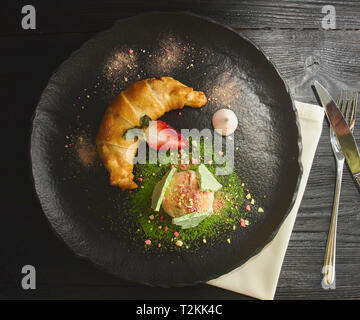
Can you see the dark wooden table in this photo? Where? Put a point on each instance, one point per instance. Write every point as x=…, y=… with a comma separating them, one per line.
x=289, y=32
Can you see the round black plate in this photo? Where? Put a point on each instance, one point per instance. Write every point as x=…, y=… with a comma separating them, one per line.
x=73, y=185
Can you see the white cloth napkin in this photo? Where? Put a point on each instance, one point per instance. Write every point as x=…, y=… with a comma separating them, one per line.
x=258, y=277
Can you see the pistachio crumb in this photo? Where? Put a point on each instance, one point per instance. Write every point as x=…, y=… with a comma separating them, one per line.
x=179, y=243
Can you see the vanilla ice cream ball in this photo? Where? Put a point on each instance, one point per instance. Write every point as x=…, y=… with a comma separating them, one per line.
x=224, y=121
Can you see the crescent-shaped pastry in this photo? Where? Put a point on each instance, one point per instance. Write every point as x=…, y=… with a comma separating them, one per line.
x=151, y=97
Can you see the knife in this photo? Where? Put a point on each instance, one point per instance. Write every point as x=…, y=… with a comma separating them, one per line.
x=342, y=131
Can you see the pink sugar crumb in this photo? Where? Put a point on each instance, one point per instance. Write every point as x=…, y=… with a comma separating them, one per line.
x=179, y=113
x=164, y=199
x=147, y=242
x=242, y=223
x=166, y=228
x=131, y=51
x=248, y=208
x=140, y=179
x=159, y=245
x=176, y=234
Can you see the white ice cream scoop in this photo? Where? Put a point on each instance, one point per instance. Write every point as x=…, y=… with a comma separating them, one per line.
x=225, y=122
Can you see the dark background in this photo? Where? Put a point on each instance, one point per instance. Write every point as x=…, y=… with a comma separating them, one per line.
x=289, y=32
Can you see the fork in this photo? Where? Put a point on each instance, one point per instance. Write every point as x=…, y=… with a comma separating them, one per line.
x=347, y=102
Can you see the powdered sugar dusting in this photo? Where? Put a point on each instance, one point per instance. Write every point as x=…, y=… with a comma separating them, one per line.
x=171, y=53
x=120, y=65
x=225, y=90
x=86, y=151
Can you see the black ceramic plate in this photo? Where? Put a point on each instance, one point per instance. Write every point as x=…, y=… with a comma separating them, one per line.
x=94, y=218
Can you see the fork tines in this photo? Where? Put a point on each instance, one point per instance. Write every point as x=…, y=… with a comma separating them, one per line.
x=347, y=103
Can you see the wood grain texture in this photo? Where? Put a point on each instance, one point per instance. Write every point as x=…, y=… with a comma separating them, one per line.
x=331, y=57
x=92, y=16
x=301, y=56
x=301, y=272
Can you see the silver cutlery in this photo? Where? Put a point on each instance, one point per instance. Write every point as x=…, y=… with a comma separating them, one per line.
x=347, y=103
x=342, y=131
